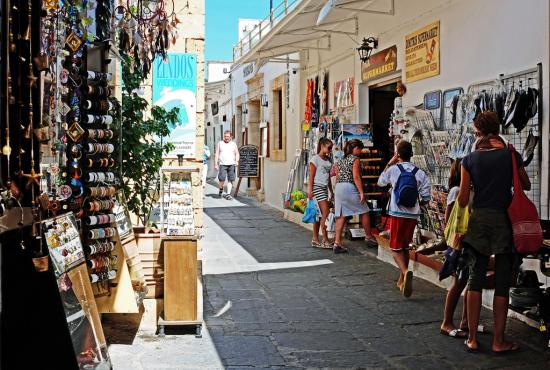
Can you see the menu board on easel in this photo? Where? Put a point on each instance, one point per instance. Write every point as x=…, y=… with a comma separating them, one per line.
x=248, y=162
x=67, y=255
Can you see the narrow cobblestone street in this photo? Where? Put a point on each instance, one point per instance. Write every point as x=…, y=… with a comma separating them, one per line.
x=271, y=301
x=345, y=314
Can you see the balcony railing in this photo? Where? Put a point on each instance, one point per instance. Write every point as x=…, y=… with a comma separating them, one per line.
x=259, y=31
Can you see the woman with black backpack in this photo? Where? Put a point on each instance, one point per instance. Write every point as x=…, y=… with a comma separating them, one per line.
x=409, y=185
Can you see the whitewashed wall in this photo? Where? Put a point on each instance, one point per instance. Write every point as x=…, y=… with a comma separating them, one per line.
x=276, y=173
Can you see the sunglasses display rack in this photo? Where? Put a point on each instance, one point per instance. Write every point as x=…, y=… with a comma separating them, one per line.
x=525, y=137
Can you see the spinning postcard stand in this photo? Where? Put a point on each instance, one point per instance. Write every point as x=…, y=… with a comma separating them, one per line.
x=176, y=202
x=182, y=288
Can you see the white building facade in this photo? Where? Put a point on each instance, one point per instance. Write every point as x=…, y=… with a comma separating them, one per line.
x=478, y=42
x=265, y=102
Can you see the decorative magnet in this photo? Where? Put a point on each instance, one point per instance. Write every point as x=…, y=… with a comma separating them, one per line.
x=65, y=192
x=65, y=109
x=73, y=42
x=75, y=132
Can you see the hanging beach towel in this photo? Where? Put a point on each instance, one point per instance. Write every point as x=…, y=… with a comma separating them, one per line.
x=457, y=225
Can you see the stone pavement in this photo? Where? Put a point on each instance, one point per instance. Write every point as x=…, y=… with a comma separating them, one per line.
x=271, y=301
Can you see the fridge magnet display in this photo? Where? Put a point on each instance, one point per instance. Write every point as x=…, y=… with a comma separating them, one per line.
x=63, y=240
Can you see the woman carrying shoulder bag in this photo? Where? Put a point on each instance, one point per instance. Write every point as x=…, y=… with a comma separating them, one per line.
x=489, y=170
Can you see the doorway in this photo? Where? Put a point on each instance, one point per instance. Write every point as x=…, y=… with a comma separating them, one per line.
x=381, y=102
x=253, y=138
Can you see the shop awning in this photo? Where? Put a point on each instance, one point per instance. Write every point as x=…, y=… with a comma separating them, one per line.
x=305, y=24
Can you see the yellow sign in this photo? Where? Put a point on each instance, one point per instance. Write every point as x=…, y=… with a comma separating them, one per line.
x=422, y=53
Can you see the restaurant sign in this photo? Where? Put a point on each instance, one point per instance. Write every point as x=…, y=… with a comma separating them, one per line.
x=422, y=53
x=379, y=64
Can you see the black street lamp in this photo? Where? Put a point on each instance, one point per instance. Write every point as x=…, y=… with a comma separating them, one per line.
x=366, y=48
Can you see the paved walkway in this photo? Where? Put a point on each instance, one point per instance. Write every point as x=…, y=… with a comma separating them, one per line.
x=271, y=301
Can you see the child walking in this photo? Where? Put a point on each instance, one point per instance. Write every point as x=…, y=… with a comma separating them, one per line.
x=320, y=188
x=460, y=275
x=409, y=183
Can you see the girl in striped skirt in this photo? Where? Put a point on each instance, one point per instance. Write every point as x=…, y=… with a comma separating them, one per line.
x=320, y=189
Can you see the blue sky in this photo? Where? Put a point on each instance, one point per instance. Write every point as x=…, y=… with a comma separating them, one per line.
x=222, y=18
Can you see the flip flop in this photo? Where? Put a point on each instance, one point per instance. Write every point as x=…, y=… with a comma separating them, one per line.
x=326, y=245
x=480, y=329
x=315, y=244
x=455, y=333
x=337, y=249
x=469, y=349
x=407, y=284
x=514, y=347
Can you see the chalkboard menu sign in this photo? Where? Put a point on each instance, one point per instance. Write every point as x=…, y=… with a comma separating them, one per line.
x=248, y=163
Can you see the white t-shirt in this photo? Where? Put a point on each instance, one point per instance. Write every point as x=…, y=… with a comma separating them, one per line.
x=322, y=170
x=390, y=176
x=227, y=153
x=453, y=195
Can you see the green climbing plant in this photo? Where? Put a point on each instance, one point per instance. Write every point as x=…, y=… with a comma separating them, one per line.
x=141, y=148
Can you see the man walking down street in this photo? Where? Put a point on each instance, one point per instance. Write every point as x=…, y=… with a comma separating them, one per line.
x=227, y=157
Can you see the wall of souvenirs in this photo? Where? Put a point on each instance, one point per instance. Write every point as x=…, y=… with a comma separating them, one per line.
x=441, y=131
x=59, y=173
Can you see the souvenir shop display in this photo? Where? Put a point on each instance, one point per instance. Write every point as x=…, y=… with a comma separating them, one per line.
x=316, y=100
x=371, y=161
x=176, y=214
x=515, y=98
x=344, y=93
x=129, y=246
x=67, y=254
x=59, y=175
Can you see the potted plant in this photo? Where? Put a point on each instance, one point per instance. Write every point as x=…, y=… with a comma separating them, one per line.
x=141, y=157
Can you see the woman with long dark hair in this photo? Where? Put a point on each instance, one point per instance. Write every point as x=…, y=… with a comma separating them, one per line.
x=350, y=199
x=489, y=170
x=320, y=188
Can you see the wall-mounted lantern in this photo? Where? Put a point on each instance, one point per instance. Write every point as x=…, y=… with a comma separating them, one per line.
x=366, y=48
x=263, y=100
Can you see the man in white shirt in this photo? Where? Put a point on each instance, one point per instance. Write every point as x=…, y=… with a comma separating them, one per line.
x=227, y=157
